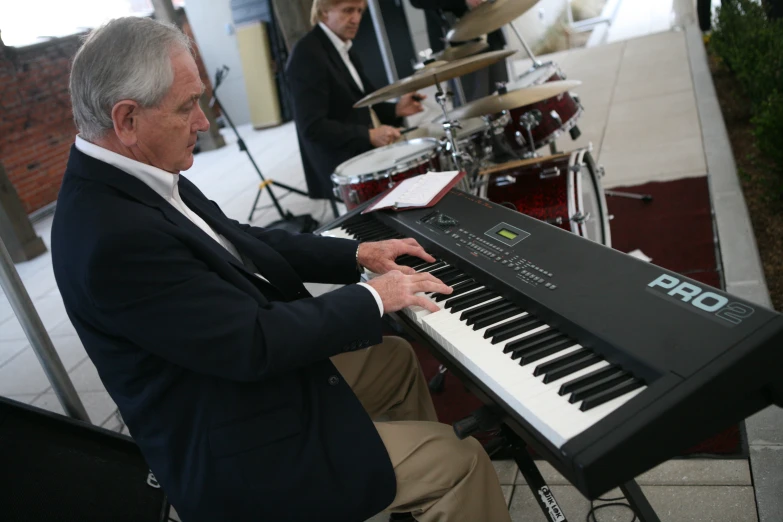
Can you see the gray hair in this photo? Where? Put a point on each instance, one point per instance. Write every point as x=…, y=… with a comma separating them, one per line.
x=126, y=59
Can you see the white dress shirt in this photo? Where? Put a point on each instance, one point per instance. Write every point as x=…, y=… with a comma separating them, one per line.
x=166, y=185
x=342, y=49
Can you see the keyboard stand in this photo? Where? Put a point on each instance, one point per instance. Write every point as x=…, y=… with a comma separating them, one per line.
x=484, y=419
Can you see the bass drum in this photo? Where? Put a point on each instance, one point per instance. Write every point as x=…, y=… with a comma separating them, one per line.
x=563, y=190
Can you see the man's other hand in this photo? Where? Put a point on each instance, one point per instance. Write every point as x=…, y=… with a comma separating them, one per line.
x=379, y=256
x=384, y=135
x=410, y=104
x=472, y=4
x=398, y=290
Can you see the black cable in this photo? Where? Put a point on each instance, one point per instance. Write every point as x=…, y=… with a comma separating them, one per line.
x=612, y=502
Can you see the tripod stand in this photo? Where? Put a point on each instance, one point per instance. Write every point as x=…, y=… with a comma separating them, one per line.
x=287, y=221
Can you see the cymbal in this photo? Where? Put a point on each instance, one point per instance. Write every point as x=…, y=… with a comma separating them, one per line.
x=456, y=52
x=431, y=75
x=495, y=103
x=488, y=17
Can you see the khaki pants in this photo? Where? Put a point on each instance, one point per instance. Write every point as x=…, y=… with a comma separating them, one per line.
x=439, y=477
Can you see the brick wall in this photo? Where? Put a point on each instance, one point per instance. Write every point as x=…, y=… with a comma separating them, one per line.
x=36, y=125
x=36, y=122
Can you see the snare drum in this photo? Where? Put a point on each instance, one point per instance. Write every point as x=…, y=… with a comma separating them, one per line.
x=473, y=137
x=365, y=176
x=549, y=118
x=563, y=190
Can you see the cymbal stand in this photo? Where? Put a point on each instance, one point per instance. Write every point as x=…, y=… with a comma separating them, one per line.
x=450, y=126
x=536, y=61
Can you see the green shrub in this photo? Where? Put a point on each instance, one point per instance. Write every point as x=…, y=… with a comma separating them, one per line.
x=768, y=127
x=751, y=46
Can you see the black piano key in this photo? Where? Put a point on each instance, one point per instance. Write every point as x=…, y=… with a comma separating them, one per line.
x=598, y=386
x=454, y=282
x=472, y=299
x=597, y=375
x=444, y=270
x=460, y=289
x=561, y=361
x=545, y=351
x=410, y=261
x=496, y=318
x=357, y=228
x=469, y=315
x=494, y=308
x=426, y=267
x=382, y=235
x=454, y=278
x=365, y=231
x=619, y=390
x=532, y=341
x=506, y=331
x=571, y=368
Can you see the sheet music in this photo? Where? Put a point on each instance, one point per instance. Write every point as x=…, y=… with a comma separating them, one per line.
x=417, y=191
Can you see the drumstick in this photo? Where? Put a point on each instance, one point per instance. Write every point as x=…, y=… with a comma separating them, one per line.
x=376, y=121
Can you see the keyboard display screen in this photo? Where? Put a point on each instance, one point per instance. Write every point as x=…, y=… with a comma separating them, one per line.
x=507, y=233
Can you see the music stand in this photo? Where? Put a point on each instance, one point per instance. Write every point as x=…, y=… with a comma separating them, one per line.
x=287, y=221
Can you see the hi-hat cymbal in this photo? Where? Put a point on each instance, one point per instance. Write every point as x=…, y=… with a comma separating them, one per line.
x=496, y=103
x=431, y=75
x=457, y=52
x=488, y=17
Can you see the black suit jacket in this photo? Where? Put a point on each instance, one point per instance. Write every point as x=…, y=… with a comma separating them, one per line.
x=437, y=26
x=329, y=129
x=224, y=380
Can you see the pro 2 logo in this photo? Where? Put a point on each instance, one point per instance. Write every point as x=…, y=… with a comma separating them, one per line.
x=710, y=303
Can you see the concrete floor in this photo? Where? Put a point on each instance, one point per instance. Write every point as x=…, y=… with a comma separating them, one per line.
x=648, y=117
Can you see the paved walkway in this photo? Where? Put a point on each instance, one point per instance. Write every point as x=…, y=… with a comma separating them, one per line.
x=648, y=118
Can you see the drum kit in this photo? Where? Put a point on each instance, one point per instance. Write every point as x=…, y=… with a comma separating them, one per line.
x=495, y=139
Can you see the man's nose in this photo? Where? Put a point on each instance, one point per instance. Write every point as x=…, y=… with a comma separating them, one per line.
x=201, y=123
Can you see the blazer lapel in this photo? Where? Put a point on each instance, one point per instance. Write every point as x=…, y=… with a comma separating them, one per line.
x=270, y=263
x=339, y=64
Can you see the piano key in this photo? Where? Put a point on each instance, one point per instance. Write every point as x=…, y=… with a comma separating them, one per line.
x=561, y=361
x=457, y=304
x=571, y=368
x=339, y=233
x=612, y=378
x=616, y=391
x=469, y=316
x=527, y=325
x=463, y=288
x=532, y=342
x=544, y=350
x=454, y=278
x=574, y=384
x=497, y=317
x=427, y=267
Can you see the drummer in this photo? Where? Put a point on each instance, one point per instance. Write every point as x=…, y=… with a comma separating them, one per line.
x=440, y=15
x=326, y=80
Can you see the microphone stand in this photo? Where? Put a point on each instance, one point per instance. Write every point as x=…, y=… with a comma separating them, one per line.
x=287, y=221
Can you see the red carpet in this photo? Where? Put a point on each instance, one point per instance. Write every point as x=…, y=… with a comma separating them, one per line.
x=675, y=230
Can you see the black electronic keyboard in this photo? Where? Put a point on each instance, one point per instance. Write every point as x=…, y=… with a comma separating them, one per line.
x=606, y=365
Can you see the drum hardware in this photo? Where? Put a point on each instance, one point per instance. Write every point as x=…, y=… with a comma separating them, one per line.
x=555, y=221
x=529, y=121
x=580, y=219
x=536, y=61
x=630, y=195
x=549, y=173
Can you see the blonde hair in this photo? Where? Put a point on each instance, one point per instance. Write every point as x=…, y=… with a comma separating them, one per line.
x=320, y=6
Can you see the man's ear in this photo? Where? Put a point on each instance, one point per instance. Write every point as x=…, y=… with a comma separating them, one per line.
x=125, y=115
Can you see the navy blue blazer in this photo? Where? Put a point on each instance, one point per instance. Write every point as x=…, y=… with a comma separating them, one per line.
x=329, y=129
x=224, y=380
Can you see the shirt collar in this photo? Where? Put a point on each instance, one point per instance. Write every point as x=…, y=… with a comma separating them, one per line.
x=339, y=44
x=162, y=182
